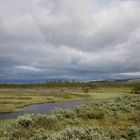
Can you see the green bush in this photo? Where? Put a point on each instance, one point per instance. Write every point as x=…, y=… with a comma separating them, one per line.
x=65, y=113
x=93, y=114
x=71, y=121
x=25, y=121
x=47, y=122
x=97, y=111
x=136, y=89
x=122, y=104
x=40, y=134
x=133, y=133
x=80, y=134
x=15, y=131
x=137, y=118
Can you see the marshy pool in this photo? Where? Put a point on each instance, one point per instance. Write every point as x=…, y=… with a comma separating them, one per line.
x=45, y=108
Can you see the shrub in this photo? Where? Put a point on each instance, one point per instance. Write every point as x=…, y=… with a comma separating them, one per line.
x=14, y=131
x=45, y=121
x=93, y=114
x=65, y=113
x=122, y=104
x=72, y=121
x=136, y=89
x=98, y=114
x=25, y=121
x=40, y=120
x=80, y=134
x=52, y=119
x=136, y=118
x=133, y=133
x=40, y=135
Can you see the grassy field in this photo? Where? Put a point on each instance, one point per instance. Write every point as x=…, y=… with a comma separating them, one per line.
x=15, y=100
x=13, y=97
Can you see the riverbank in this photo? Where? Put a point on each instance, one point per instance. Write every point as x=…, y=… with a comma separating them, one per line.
x=47, y=108
x=15, y=100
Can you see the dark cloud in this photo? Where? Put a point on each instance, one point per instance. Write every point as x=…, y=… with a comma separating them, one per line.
x=43, y=39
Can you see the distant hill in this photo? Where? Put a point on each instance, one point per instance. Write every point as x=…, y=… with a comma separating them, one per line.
x=127, y=82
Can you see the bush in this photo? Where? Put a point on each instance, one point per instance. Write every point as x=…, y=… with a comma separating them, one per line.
x=133, y=133
x=122, y=104
x=93, y=114
x=45, y=121
x=65, y=113
x=80, y=134
x=137, y=118
x=136, y=89
x=14, y=131
x=25, y=121
x=71, y=121
x=40, y=135
x=97, y=111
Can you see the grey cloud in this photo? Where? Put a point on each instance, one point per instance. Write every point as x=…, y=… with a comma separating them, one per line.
x=69, y=39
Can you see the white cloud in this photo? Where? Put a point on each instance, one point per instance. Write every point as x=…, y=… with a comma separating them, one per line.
x=131, y=74
x=28, y=68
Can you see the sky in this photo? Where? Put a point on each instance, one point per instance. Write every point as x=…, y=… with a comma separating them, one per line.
x=69, y=39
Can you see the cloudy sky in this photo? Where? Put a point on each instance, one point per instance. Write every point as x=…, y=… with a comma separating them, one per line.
x=69, y=39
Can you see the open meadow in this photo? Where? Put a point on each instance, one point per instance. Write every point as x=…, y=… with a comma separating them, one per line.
x=14, y=97
x=118, y=118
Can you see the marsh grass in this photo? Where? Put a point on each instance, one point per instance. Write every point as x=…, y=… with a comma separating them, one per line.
x=14, y=101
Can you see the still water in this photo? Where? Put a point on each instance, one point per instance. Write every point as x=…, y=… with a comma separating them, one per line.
x=45, y=108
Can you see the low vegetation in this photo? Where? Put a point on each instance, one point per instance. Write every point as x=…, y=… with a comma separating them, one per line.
x=13, y=102
x=117, y=119
x=136, y=89
x=13, y=97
